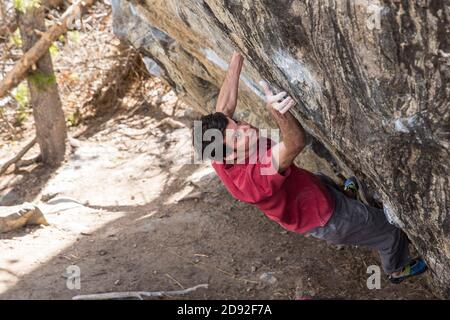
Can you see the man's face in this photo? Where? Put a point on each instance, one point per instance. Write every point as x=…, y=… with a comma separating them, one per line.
x=240, y=137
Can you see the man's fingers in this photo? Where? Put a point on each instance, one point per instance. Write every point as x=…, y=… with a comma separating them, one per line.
x=277, y=97
x=279, y=102
x=288, y=106
x=280, y=96
x=282, y=104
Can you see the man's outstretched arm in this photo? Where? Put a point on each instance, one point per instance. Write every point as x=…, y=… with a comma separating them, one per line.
x=227, y=100
x=292, y=132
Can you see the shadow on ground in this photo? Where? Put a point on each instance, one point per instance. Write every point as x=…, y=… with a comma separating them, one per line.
x=217, y=240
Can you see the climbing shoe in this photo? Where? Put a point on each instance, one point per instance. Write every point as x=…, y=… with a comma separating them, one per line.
x=414, y=268
x=351, y=187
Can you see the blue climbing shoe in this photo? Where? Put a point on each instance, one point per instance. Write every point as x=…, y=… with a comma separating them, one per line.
x=351, y=184
x=351, y=187
x=414, y=268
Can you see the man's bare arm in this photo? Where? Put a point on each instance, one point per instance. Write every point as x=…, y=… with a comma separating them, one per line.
x=292, y=132
x=227, y=100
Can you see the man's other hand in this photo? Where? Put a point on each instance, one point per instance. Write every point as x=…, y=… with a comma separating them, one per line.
x=284, y=153
x=278, y=102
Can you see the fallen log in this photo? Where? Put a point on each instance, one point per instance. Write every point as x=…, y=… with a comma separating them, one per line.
x=18, y=72
x=15, y=217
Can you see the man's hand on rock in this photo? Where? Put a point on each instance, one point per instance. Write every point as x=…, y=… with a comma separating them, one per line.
x=278, y=102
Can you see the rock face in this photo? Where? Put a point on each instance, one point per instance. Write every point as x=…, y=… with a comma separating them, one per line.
x=371, y=79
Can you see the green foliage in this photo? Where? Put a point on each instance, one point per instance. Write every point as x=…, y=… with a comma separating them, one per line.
x=24, y=5
x=54, y=50
x=21, y=95
x=73, y=36
x=19, y=5
x=16, y=39
x=74, y=119
x=40, y=80
x=20, y=117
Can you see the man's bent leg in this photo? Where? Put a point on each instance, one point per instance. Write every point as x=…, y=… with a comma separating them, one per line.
x=355, y=223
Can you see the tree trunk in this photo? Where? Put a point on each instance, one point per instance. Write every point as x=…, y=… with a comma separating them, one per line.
x=47, y=110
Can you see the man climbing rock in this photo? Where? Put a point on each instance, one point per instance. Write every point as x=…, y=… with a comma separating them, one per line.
x=258, y=171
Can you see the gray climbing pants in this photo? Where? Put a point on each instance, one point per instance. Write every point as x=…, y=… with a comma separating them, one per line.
x=355, y=223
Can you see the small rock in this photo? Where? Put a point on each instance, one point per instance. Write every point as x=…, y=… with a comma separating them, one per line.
x=102, y=252
x=278, y=259
x=117, y=282
x=268, y=277
x=48, y=196
x=253, y=269
x=339, y=247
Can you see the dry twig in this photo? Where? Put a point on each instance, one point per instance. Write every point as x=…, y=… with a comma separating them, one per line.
x=137, y=294
x=17, y=157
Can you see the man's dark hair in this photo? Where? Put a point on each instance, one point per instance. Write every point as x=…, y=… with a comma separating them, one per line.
x=217, y=121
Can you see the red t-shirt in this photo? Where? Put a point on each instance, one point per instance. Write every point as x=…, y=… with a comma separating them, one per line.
x=296, y=199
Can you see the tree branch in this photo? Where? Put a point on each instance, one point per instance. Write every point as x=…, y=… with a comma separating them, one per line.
x=17, y=157
x=136, y=294
x=17, y=73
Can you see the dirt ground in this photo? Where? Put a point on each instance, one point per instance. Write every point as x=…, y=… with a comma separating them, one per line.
x=133, y=214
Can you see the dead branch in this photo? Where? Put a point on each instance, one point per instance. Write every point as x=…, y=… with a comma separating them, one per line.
x=169, y=122
x=28, y=162
x=193, y=196
x=136, y=294
x=17, y=73
x=17, y=157
x=8, y=125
